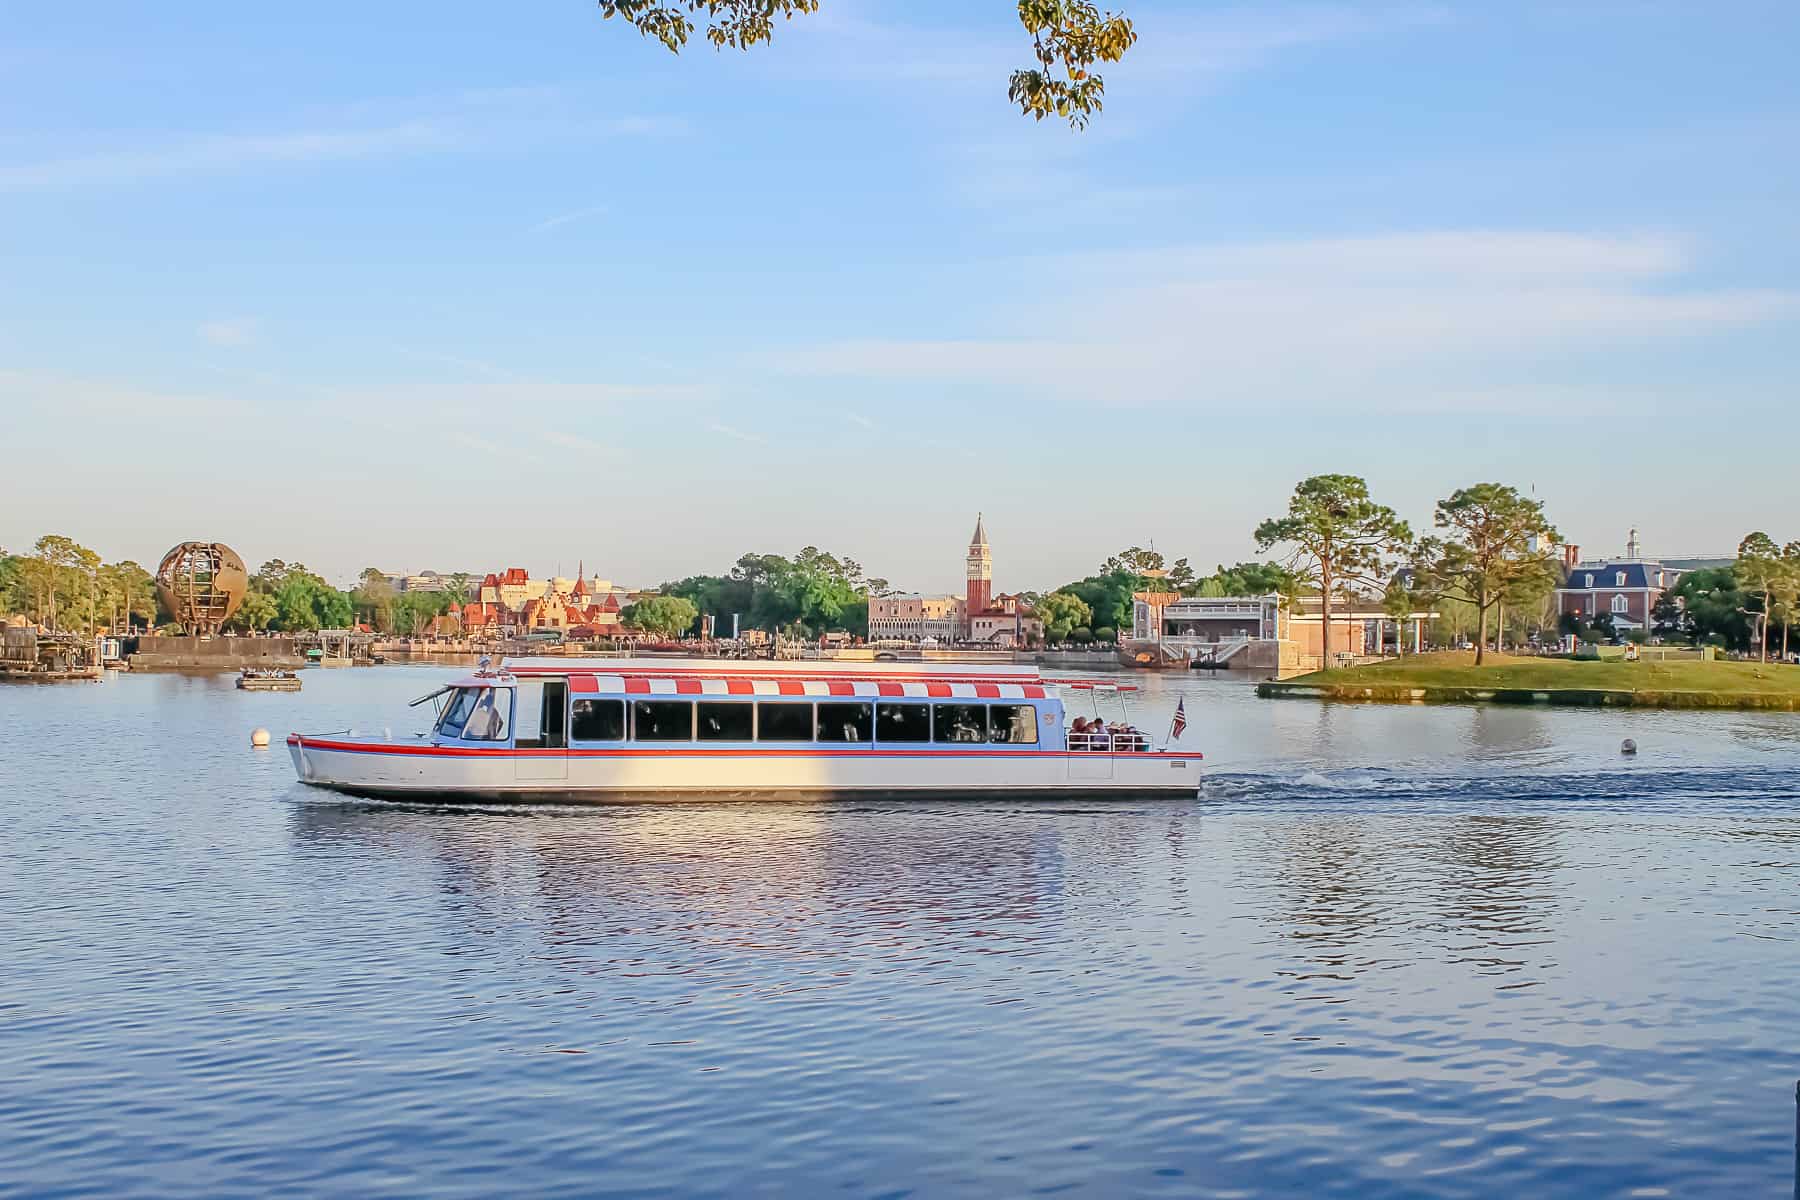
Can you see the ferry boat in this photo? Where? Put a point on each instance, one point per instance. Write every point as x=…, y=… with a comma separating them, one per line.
x=561, y=730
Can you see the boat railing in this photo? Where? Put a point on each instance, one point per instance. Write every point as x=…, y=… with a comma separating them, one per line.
x=1128, y=742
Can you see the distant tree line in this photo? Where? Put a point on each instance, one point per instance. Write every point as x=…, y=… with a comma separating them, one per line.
x=63, y=585
x=811, y=593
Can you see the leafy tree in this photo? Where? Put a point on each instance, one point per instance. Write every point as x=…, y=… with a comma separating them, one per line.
x=812, y=592
x=1068, y=38
x=457, y=587
x=664, y=616
x=1081, y=635
x=63, y=569
x=257, y=612
x=1713, y=608
x=374, y=599
x=413, y=611
x=1245, y=579
x=1062, y=613
x=1337, y=537
x=1787, y=594
x=129, y=591
x=1105, y=633
x=1759, y=570
x=1668, y=619
x=1134, y=559
x=13, y=592
x=1181, y=576
x=1498, y=547
x=1108, y=594
x=304, y=601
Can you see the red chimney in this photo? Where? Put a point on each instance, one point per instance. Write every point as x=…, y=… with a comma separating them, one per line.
x=1571, y=556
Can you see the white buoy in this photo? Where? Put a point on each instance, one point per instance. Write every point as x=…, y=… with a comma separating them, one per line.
x=259, y=738
x=1628, y=747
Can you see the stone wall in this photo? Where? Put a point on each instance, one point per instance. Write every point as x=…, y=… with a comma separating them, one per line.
x=159, y=653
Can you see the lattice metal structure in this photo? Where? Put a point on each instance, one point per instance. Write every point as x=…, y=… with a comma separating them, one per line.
x=202, y=584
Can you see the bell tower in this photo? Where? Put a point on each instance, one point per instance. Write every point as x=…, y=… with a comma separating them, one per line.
x=981, y=571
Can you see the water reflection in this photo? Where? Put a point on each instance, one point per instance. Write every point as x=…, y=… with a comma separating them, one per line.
x=786, y=879
x=1433, y=952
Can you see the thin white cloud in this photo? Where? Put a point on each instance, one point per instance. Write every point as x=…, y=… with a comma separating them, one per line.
x=565, y=218
x=505, y=118
x=1404, y=322
x=736, y=434
x=212, y=153
x=585, y=445
x=229, y=331
x=123, y=406
x=860, y=421
x=491, y=448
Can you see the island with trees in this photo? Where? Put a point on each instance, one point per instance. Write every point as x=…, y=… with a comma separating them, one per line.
x=1494, y=551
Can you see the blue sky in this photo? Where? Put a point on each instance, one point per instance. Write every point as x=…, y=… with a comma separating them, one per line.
x=457, y=285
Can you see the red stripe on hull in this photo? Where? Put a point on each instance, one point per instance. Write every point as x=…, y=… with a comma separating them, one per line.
x=689, y=749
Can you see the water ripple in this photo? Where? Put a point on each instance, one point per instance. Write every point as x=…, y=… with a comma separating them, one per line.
x=1507, y=967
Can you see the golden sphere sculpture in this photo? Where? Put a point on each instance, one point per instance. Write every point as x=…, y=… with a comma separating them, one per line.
x=201, y=584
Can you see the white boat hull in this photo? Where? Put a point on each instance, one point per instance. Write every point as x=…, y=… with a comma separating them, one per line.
x=423, y=771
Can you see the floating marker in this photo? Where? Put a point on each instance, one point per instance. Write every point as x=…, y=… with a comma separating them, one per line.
x=259, y=738
x=1628, y=747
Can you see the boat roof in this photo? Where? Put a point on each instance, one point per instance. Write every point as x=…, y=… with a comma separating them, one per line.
x=753, y=677
x=741, y=668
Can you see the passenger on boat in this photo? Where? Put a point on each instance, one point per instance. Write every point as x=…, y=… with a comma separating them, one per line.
x=487, y=723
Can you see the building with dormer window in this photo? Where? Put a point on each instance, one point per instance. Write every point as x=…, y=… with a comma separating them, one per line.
x=1627, y=588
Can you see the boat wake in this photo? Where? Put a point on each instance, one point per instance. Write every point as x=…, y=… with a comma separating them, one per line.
x=1764, y=791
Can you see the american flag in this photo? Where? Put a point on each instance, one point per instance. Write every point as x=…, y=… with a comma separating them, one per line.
x=1178, y=726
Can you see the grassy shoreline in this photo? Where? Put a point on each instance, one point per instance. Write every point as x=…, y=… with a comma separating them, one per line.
x=1453, y=678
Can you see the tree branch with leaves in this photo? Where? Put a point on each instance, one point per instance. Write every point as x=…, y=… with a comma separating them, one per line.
x=1068, y=39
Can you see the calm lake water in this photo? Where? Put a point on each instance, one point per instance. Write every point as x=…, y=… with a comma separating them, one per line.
x=1419, y=952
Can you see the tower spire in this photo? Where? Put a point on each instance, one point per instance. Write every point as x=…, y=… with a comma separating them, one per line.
x=980, y=563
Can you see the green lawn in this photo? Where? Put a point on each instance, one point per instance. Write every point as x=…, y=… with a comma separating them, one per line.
x=1458, y=669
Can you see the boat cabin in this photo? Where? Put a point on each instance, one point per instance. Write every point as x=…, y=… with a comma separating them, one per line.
x=562, y=704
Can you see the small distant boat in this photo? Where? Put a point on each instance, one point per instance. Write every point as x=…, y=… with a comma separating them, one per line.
x=267, y=679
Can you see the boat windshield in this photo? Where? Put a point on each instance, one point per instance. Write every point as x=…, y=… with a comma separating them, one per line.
x=487, y=719
x=456, y=713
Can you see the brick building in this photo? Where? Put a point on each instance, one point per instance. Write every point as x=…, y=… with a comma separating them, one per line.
x=1627, y=588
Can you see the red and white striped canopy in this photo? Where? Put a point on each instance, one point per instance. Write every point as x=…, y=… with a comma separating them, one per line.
x=637, y=685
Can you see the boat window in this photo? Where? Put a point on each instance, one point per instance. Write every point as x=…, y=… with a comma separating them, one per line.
x=487, y=723
x=846, y=722
x=456, y=713
x=528, y=713
x=960, y=723
x=784, y=722
x=1016, y=723
x=725, y=722
x=904, y=722
x=599, y=721
x=662, y=720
